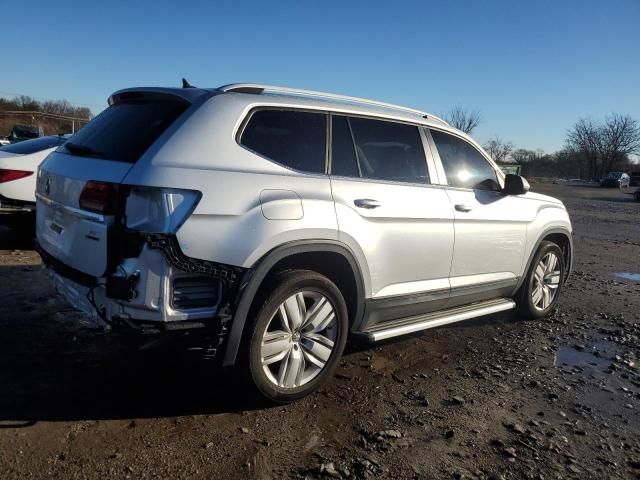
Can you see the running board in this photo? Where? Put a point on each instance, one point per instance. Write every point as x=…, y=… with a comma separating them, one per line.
x=436, y=319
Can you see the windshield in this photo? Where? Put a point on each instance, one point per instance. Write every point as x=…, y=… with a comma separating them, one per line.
x=36, y=145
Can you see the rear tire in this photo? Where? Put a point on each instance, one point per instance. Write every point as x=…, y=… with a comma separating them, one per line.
x=297, y=336
x=541, y=288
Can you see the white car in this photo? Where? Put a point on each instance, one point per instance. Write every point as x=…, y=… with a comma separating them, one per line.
x=18, y=165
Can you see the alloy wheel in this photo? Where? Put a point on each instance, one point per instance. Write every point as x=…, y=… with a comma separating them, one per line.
x=299, y=339
x=546, y=280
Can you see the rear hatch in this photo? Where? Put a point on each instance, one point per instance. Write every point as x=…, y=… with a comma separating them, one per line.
x=78, y=189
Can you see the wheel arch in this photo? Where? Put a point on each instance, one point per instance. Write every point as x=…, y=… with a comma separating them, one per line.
x=330, y=258
x=561, y=237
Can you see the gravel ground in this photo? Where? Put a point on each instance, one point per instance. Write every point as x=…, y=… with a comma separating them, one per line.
x=498, y=397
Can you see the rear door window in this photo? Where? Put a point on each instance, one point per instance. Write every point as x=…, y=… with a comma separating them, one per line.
x=292, y=138
x=463, y=164
x=389, y=150
x=126, y=129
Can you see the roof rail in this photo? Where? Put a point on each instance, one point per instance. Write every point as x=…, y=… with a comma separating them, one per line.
x=257, y=88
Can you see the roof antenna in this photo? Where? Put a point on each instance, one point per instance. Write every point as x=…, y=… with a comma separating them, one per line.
x=186, y=84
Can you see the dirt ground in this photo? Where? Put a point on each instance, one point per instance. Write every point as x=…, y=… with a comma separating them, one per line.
x=498, y=397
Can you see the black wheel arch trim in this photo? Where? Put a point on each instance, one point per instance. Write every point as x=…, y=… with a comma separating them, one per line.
x=544, y=235
x=253, y=278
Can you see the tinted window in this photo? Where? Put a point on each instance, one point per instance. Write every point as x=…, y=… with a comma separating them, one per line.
x=343, y=154
x=125, y=130
x=36, y=145
x=292, y=138
x=464, y=166
x=389, y=151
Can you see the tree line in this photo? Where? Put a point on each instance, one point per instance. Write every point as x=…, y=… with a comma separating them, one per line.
x=50, y=125
x=592, y=147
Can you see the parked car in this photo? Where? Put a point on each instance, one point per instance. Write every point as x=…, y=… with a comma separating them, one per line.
x=4, y=141
x=616, y=179
x=18, y=165
x=635, y=178
x=20, y=133
x=284, y=222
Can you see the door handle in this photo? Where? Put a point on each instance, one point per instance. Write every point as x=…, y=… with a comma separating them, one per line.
x=463, y=208
x=367, y=203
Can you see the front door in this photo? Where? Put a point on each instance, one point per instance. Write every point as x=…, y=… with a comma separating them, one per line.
x=490, y=227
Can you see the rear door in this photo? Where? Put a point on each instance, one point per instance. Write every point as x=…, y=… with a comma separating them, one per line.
x=73, y=227
x=390, y=215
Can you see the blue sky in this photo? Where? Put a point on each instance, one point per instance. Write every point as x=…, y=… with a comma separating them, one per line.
x=532, y=68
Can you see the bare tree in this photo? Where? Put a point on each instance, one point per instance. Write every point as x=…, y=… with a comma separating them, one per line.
x=522, y=155
x=602, y=146
x=462, y=119
x=619, y=137
x=584, y=140
x=498, y=150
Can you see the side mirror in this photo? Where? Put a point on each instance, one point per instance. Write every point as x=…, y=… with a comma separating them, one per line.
x=515, y=185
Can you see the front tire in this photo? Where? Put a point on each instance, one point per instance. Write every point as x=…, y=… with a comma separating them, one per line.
x=297, y=336
x=541, y=288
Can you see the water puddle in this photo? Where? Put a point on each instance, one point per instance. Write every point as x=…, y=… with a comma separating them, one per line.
x=600, y=354
x=635, y=277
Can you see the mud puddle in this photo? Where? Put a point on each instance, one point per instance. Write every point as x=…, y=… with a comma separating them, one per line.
x=600, y=354
x=634, y=277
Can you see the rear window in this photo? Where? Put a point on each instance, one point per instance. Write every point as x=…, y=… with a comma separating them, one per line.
x=32, y=146
x=125, y=130
x=292, y=138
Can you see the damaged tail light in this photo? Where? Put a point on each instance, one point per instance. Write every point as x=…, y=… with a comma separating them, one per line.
x=99, y=197
x=159, y=210
x=7, y=175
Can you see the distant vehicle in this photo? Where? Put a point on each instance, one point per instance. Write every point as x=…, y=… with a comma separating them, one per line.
x=20, y=133
x=4, y=141
x=616, y=179
x=635, y=178
x=636, y=195
x=18, y=165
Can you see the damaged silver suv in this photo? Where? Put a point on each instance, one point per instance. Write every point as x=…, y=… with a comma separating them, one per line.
x=283, y=222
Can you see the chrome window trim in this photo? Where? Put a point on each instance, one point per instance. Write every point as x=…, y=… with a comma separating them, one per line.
x=386, y=182
x=76, y=212
x=434, y=174
x=353, y=144
x=248, y=111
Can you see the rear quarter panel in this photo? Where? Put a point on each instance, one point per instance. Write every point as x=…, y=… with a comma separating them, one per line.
x=240, y=189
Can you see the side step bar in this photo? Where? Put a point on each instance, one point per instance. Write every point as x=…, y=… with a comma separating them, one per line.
x=436, y=319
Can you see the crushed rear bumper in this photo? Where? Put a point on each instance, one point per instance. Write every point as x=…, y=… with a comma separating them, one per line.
x=157, y=303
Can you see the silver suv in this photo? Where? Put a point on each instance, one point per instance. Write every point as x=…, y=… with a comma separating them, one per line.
x=279, y=223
